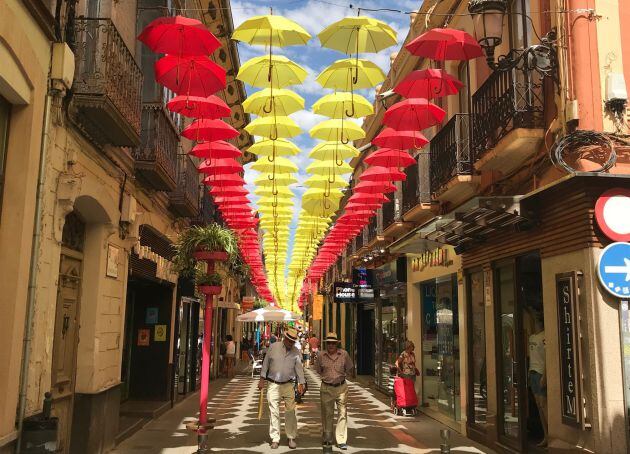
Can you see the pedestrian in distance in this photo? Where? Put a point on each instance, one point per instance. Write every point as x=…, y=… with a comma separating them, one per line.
x=313, y=343
x=334, y=366
x=281, y=367
x=230, y=356
x=406, y=362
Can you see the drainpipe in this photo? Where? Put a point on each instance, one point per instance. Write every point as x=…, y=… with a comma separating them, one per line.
x=32, y=278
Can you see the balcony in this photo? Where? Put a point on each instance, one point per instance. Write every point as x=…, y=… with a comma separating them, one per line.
x=416, y=190
x=451, y=161
x=389, y=211
x=106, y=93
x=508, y=121
x=372, y=229
x=208, y=212
x=156, y=157
x=184, y=200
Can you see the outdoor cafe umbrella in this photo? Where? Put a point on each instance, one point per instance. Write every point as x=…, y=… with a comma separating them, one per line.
x=269, y=314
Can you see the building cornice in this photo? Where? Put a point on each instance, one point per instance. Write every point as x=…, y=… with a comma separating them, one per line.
x=42, y=16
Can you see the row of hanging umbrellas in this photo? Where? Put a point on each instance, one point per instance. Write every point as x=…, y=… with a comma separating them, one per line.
x=189, y=72
x=403, y=123
x=343, y=107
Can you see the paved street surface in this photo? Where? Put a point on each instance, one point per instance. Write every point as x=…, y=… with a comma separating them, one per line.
x=234, y=404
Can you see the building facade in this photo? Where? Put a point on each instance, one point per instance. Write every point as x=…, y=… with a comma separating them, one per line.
x=496, y=224
x=96, y=182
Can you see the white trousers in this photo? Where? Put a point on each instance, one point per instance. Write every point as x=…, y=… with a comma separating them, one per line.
x=329, y=396
x=275, y=394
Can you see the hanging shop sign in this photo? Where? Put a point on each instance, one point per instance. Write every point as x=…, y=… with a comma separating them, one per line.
x=430, y=259
x=613, y=269
x=318, y=306
x=566, y=293
x=363, y=277
x=365, y=293
x=247, y=303
x=611, y=213
x=344, y=292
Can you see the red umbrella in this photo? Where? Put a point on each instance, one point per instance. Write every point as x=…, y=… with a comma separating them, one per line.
x=378, y=173
x=220, y=166
x=198, y=107
x=228, y=191
x=428, y=84
x=180, y=36
x=388, y=157
x=209, y=130
x=400, y=140
x=215, y=150
x=231, y=179
x=366, y=197
x=226, y=199
x=445, y=44
x=191, y=76
x=413, y=114
x=374, y=187
x=359, y=206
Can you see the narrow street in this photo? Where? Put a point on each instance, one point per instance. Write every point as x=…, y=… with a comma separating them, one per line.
x=371, y=426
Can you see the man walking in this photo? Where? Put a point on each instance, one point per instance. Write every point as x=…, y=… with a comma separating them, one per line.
x=281, y=367
x=334, y=366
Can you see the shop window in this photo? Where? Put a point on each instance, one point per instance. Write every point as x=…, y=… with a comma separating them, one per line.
x=5, y=111
x=478, y=405
x=440, y=346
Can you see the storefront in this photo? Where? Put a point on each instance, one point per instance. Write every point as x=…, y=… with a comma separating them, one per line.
x=189, y=327
x=434, y=326
x=530, y=303
x=390, y=282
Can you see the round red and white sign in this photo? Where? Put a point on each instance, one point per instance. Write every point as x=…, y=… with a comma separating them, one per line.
x=612, y=211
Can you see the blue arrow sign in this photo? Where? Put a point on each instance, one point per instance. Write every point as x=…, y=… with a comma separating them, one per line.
x=614, y=269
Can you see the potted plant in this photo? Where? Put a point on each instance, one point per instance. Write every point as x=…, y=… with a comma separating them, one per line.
x=208, y=242
x=209, y=284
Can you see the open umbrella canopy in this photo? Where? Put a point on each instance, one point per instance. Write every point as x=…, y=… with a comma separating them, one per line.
x=228, y=190
x=279, y=193
x=190, y=75
x=279, y=179
x=232, y=179
x=358, y=34
x=271, y=30
x=211, y=107
x=378, y=173
x=279, y=147
x=343, y=104
x=179, y=35
x=337, y=130
x=445, y=44
x=429, y=84
x=270, y=102
x=333, y=150
x=368, y=197
x=278, y=164
x=387, y=157
x=209, y=130
x=400, y=140
x=220, y=166
x=413, y=114
x=328, y=168
x=322, y=182
x=257, y=73
x=349, y=74
x=214, y=150
x=273, y=127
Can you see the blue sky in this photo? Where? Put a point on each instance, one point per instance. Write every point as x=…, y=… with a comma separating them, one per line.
x=314, y=16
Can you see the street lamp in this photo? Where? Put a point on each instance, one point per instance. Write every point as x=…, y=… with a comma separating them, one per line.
x=488, y=17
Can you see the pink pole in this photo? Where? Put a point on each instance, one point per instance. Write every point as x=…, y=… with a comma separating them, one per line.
x=205, y=364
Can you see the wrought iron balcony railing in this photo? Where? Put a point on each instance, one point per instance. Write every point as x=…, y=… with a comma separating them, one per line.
x=508, y=100
x=410, y=188
x=106, y=93
x=450, y=151
x=184, y=200
x=372, y=228
x=208, y=212
x=359, y=241
x=156, y=157
x=388, y=210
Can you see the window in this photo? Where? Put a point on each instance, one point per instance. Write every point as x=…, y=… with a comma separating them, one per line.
x=477, y=344
x=520, y=25
x=5, y=111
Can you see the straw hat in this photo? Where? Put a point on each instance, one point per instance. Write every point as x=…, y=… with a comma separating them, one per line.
x=291, y=334
x=331, y=338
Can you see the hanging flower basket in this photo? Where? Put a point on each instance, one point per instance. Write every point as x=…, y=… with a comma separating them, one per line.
x=210, y=255
x=210, y=289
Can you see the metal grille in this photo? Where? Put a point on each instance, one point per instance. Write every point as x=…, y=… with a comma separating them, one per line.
x=410, y=188
x=388, y=211
x=450, y=151
x=506, y=101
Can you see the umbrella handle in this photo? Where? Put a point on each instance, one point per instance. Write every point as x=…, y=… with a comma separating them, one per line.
x=351, y=113
x=339, y=162
x=270, y=106
x=343, y=140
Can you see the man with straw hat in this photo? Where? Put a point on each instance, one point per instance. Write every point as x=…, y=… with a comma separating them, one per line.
x=281, y=367
x=334, y=366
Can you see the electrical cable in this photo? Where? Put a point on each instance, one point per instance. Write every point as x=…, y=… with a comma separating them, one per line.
x=579, y=143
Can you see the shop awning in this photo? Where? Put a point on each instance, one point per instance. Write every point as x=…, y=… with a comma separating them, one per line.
x=228, y=305
x=475, y=221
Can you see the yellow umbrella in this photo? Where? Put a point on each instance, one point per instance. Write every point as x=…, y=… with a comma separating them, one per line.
x=311, y=193
x=271, y=30
x=333, y=150
x=277, y=180
x=328, y=168
x=343, y=131
x=323, y=207
x=273, y=127
x=276, y=165
x=350, y=73
x=318, y=181
x=268, y=102
x=343, y=104
x=281, y=192
x=275, y=203
x=280, y=147
x=284, y=72
x=358, y=34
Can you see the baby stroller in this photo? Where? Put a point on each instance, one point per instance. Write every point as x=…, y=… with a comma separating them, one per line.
x=404, y=399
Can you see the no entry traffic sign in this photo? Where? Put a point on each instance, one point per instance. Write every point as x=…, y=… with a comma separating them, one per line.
x=612, y=211
x=614, y=269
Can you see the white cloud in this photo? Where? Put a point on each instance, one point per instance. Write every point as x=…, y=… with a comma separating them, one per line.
x=307, y=119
